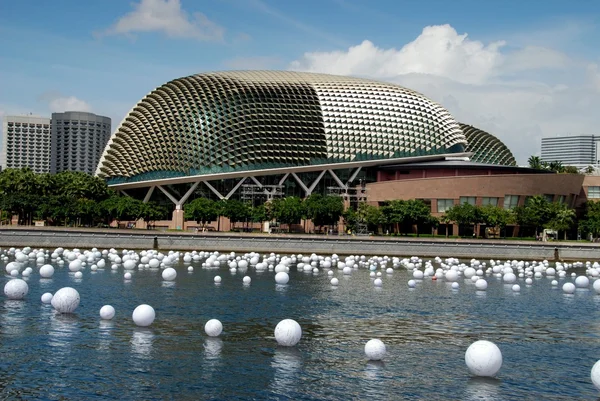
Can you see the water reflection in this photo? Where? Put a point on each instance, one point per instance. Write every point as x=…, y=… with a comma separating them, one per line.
x=142, y=343
x=212, y=348
x=168, y=284
x=13, y=318
x=287, y=363
x=482, y=389
x=105, y=334
x=63, y=329
x=374, y=384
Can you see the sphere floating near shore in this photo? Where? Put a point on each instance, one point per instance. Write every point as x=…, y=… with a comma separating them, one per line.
x=483, y=358
x=169, y=274
x=375, y=350
x=107, y=312
x=46, y=271
x=143, y=315
x=288, y=333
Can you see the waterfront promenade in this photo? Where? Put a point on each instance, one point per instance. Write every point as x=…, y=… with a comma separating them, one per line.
x=52, y=237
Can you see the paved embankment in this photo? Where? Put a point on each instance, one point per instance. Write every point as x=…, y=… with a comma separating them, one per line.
x=50, y=237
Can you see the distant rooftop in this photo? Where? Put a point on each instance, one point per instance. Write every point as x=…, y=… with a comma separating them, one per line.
x=462, y=164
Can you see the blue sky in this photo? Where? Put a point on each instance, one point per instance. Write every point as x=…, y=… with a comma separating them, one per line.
x=524, y=69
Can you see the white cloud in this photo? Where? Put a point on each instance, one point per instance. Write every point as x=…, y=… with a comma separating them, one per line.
x=168, y=17
x=57, y=103
x=518, y=94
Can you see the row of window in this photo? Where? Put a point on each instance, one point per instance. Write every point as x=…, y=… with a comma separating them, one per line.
x=510, y=201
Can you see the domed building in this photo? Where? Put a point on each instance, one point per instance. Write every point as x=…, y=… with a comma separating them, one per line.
x=256, y=135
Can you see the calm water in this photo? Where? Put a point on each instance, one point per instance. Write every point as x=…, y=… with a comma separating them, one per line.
x=549, y=340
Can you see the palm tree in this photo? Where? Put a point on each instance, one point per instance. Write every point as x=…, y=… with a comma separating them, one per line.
x=535, y=162
x=563, y=220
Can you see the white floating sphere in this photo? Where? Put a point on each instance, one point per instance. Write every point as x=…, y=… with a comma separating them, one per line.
x=481, y=284
x=13, y=266
x=246, y=280
x=554, y=283
x=213, y=328
x=550, y=271
x=75, y=265
x=509, y=278
x=389, y=270
x=483, y=358
x=217, y=279
x=412, y=283
x=16, y=289
x=169, y=274
x=455, y=286
x=143, y=315
x=154, y=263
x=107, y=312
x=528, y=281
x=451, y=275
x=347, y=270
x=66, y=300
x=378, y=282
x=375, y=349
x=46, y=297
x=469, y=272
x=288, y=332
x=418, y=274
x=595, y=375
x=129, y=264
x=26, y=273
x=334, y=281
x=78, y=275
x=127, y=276
x=46, y=271
x=282, y=278
x=516, y=288
x=14, y=273
x=582, y=282
x=596, y=286
x=190, y=269
x=568, y=288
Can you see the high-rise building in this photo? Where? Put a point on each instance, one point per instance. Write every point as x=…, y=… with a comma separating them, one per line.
x=78, y=139
x=578, y=150
x=26, y=143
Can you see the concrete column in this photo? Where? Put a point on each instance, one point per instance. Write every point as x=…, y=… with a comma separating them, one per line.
x=178, y=219
x=141, y=224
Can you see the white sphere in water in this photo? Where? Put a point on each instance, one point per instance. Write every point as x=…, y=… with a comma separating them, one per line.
x=46, y=271
x=568, y=288
x=595, y=375
x=455, y=286
x=13, y=266
x=46, y=297
x=169, y=274
x=143, y=315
x=528, y=281
x=469, y=272
x=334, y=281
x=16, y=289
x=129, y=264
x=66, y=300
x=190, y=269
x=75, y=265
x=418, y=274
x=451, y=275
x=217, y=279
x=582, y=282
x=483, y=358
x=550, y=271
x=481, y=284
x=389, y=270
x=375, y=350
x=378, y=282
x=213, y=328
x=412, y=283
x=246, y=280
x=154, y=263
x=288, y=332
x=282, y=278
x=596, y=286
x=127, y=276
x=509, y=278
x=78, y=275
x=554, y=283
x=107, y=312
x=516, y=288
x=347, y=270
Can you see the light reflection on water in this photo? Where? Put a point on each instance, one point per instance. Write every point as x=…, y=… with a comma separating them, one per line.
x=426, y=331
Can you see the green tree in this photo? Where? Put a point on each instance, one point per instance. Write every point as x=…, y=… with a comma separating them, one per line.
x=496, y=217
x=261, y=213
x=418, y=213
x=562, y=218
x=535, y=213
x=535, y=162
x=590, y=170
x=395, y=213
x=202, y=210
x=464, y=215
x=571, y=170
x=591, y=220
x=323, y=210
x=236, y=211
x=289, y=210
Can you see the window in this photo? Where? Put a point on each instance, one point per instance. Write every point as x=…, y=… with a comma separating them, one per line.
x=489, y=201
x=511, y=201
x=444, y=204
x=593, y=192
x=549, y=197
x=562, y=199
x=467, y=199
